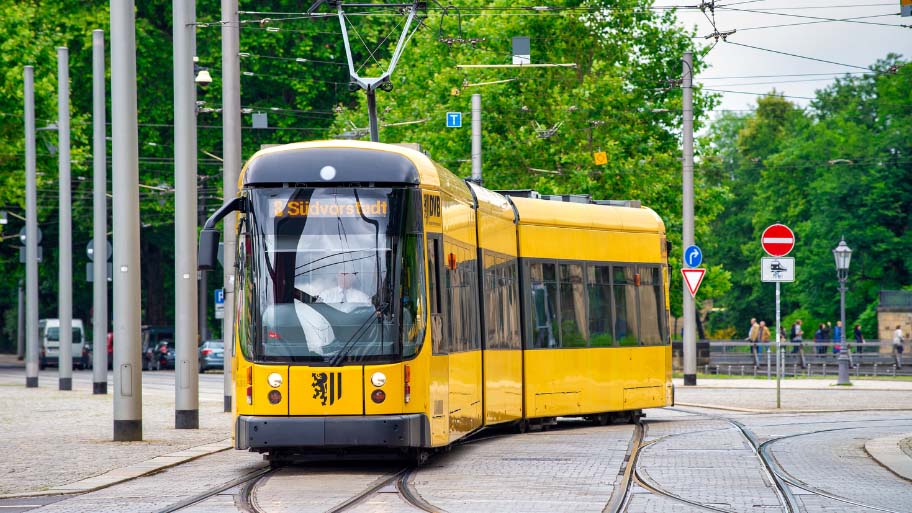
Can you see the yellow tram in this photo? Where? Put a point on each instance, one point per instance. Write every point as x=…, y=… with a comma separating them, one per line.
x=382, y=302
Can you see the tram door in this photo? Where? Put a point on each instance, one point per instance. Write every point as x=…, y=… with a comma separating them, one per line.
x=440, y=370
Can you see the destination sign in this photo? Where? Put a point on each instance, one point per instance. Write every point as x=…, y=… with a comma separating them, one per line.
x=318, y=208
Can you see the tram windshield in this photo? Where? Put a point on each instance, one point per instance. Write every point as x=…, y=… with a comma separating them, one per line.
x=335, y=275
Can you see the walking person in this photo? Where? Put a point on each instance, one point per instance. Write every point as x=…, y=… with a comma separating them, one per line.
x=764, y=334
x=898, y=346
x=753, y=336
x=859, y=339
x=820, y=339
x=837, y=338
x=796, y=335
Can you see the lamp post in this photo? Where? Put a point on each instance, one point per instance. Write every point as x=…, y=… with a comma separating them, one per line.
x=843, y=256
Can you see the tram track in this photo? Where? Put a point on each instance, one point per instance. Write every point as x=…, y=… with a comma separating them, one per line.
x=779, y=476
x=247, y=482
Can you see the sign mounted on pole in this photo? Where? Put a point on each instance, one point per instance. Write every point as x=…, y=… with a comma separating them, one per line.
x=777, y=269
x=693, y=256
x=219, y=303
x=777, y=240
x=693, y=278
x=454, y=120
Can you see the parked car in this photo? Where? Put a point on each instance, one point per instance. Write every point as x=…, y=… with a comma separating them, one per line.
x=158, y=355
x=211, y=355
x=49, y=342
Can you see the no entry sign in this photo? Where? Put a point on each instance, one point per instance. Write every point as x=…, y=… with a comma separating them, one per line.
x=777, y=240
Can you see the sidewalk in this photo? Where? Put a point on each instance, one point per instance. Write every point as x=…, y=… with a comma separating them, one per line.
x=61, y=442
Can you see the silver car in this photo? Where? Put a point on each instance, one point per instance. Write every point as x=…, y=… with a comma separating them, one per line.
x=211, y=355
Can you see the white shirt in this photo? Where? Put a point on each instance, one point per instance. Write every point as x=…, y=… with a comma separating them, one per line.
x=344, y=300
x=898, y=336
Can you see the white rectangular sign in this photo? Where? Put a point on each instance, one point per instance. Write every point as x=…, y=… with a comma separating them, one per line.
x=777, y=269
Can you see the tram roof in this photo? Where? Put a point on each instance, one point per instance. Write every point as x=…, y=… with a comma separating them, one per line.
x=582, y=215
x=352, y=161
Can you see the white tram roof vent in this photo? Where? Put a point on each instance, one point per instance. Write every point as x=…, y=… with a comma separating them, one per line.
x=520, y=193
x=620, y=203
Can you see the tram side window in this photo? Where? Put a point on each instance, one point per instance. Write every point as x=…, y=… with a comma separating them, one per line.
x=625, y=305
x=473, y=336
x=543, y=290
x=600, y=312
x=438, y=330
x=492, y=300
x=574, y=329
x=652, y=307
x=511, y=304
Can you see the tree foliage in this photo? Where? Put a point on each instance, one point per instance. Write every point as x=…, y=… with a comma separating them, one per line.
x=839, y=168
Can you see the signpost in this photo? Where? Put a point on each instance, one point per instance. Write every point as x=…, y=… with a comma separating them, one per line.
x=454, y=120
x=693, y=256
x=219, y=303
x=777, y=240
x=693, y=278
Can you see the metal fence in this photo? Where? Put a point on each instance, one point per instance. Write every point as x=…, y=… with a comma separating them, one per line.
x=739, y=357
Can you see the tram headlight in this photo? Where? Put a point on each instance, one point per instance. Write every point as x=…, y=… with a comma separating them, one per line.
x=274, y=380
x=274, y=397
x=378, y=396
x=378, y=379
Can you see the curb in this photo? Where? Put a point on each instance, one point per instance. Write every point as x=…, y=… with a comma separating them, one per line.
x=889, y=454
x=119, y=475
x=781, y=410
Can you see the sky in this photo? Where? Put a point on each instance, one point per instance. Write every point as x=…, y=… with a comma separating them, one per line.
x=855, y=44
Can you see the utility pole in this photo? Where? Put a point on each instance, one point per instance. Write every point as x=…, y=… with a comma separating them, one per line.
x=186, y=372
x=476, y=138
x=65, y=256
x=99, y=219
x=690, y=325
x=203, y=284
x=125, y=188
x=31, y=235
x=231, y=170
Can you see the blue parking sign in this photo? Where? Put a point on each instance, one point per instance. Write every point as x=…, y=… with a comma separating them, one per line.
x=220, y=296
x=454, y=120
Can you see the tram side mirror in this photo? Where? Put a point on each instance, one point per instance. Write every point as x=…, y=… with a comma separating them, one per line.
x=209, y=236
x=208, y=249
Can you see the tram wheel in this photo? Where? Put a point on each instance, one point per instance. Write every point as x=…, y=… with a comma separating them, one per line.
x=521, y=426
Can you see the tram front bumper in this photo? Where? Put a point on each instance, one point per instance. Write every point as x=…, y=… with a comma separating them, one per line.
x=264, y=433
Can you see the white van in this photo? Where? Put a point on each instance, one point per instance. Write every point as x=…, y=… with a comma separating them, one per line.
x=49, y=341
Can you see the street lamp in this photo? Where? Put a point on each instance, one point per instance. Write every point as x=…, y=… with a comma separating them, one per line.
x=843, y=256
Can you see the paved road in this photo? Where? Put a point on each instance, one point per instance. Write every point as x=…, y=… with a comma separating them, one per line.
x=689, y=459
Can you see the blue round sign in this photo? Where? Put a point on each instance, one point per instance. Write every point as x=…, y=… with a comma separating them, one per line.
x=693, y=256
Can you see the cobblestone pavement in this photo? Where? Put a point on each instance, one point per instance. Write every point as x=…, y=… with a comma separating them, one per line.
x=683, y=449
x=51, y=438
x=825, y=453
x=693, y=459
x=166, y=488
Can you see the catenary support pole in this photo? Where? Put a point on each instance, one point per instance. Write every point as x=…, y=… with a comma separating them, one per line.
x=476, y=138
x=31, y=235
x=99, y=219
x=231, y=153
x=65, y=254
x=372, y=114
x=125, y=209
x=690, y=325
x=186, y=368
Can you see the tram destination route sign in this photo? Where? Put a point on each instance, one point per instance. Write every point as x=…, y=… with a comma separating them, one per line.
x=777, y=240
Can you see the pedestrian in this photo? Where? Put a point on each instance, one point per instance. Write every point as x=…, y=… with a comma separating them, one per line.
x=827, y=329
x=898, y=346
x=837, y=337
x=859, y=339
x=820, y=339
x=796, y=336
x=764, y=334
x=753, y=335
